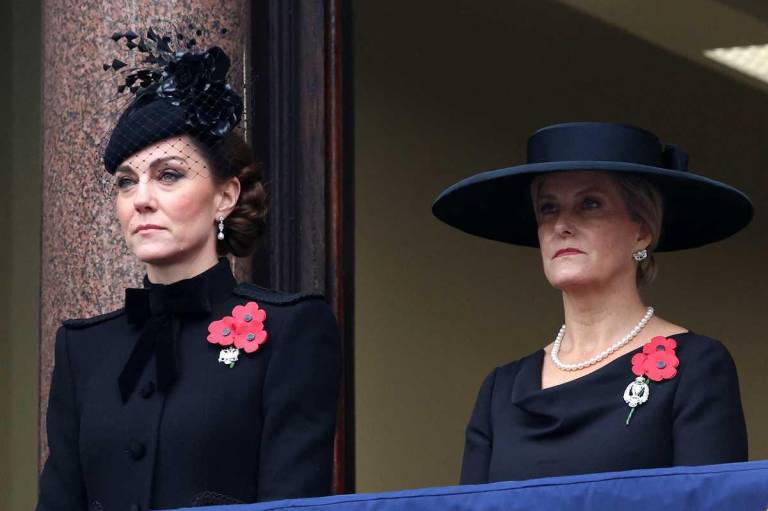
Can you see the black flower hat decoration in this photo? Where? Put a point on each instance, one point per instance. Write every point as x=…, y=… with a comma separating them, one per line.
x=177, y=87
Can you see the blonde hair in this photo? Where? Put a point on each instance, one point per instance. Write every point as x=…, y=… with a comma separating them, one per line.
x=645, y=205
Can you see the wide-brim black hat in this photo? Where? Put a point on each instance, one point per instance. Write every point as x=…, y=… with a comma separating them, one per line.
x=497, y=204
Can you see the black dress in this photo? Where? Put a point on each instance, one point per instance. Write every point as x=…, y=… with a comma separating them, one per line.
x=199, y=431
x=519, y=431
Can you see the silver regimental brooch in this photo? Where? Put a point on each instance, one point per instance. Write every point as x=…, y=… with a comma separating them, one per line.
x=635, y=394
x=229, y=356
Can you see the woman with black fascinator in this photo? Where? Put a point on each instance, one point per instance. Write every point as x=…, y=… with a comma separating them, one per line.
x=200, y=390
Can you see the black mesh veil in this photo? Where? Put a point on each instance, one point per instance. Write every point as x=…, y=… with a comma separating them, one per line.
x=175, y=105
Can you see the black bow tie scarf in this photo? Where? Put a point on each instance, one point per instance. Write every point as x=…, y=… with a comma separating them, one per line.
x=159, y=311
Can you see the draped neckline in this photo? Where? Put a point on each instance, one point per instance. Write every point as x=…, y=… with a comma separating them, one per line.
x=542, y=353
x=528, y=381
x=563, y=408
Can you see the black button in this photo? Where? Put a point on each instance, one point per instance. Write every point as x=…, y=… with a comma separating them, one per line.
x=137, y=449
x=148, y=389
x=135, y=507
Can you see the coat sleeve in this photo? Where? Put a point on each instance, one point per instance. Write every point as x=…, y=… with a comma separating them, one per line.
x=61, y=482
x=708, y=419
x=300, y=405
x=479, y=438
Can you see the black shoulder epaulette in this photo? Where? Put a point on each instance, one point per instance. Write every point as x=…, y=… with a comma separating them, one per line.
x=86, y=322
x=274, y=297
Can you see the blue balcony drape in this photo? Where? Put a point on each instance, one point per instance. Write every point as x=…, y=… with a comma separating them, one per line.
x=734, y=486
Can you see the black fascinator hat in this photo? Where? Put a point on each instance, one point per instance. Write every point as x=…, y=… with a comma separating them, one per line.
x=497, y=204
x=178, y=88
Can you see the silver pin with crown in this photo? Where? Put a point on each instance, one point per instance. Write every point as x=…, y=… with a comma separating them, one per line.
x=229, y=356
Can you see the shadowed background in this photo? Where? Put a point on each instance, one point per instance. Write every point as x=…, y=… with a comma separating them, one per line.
x=446, y=89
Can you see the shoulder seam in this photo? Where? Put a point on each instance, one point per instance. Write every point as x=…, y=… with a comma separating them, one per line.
x=274, y=297
x=86, y=322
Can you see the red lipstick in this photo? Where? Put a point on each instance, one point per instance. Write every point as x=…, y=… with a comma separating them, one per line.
x=567, y=251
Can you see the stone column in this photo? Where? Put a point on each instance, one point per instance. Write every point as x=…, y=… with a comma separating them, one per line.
x=85, y=265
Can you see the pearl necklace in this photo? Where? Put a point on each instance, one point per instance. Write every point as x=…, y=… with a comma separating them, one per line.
x=602, y=355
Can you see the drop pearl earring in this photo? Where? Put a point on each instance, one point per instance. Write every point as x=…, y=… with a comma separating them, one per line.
x=220, y=235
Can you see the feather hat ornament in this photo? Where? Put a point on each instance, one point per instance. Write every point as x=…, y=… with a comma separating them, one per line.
x=176, y=87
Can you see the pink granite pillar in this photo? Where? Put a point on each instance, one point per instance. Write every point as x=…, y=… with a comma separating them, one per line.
x=85, y=265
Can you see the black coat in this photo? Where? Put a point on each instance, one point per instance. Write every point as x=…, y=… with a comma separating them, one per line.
x=519, y=431
x=260, y=430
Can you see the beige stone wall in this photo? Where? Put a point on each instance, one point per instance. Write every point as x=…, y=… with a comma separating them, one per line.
x=443, y=90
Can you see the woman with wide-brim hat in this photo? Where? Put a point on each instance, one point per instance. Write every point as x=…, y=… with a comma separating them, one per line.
x=619, y=388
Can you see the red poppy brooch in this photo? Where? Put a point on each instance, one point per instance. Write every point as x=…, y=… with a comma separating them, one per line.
x=656, y=362
x=243, y=330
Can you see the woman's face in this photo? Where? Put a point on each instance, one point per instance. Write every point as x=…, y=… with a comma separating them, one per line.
x=586, y=234
x=168, y=203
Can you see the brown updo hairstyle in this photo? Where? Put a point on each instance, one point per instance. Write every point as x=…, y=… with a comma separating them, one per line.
x=233, y=157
